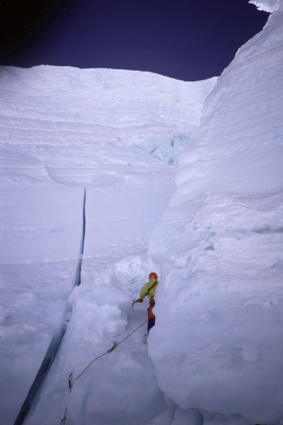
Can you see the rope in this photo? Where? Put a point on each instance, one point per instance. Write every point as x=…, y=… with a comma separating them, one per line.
x=63, y=421
x=101, y=355
x=70, y=378
x=131, y=333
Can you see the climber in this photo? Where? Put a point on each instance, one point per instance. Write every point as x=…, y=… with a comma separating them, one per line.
x=148, y=289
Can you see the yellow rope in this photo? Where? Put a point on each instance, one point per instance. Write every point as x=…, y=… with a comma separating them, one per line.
x=70, y=378
x=108, y=351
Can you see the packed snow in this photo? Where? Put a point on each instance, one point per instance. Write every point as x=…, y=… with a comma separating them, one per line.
x=218, y=340
x=88, y=166
x=107, y=175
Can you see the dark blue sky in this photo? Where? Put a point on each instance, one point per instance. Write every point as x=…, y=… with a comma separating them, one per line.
x=183, y=39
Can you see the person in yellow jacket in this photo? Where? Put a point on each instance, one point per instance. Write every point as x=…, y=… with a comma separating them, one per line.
x=149, y=289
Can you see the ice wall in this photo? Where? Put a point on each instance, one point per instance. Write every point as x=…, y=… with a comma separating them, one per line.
x=118, y=134
x=217, y=343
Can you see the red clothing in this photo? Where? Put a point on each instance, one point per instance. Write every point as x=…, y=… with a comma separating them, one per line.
x=150, y=313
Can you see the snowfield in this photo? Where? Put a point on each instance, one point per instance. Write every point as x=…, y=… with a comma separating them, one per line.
x=107, y=175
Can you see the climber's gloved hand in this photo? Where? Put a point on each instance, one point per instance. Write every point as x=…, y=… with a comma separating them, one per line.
x=140, y=300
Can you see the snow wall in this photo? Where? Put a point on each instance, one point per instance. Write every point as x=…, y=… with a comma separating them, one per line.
x=116, y=136
x=217, y=344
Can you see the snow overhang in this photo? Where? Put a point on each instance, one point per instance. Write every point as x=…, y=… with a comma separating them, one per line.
x=267, y=5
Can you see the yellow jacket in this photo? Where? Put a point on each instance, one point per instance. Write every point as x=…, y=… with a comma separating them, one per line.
x=149, y=289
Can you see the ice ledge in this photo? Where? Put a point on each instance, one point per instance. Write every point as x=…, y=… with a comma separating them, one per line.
x=267, y=5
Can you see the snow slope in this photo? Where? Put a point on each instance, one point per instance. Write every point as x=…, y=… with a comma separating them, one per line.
x=88, y=162
x=217, y=344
